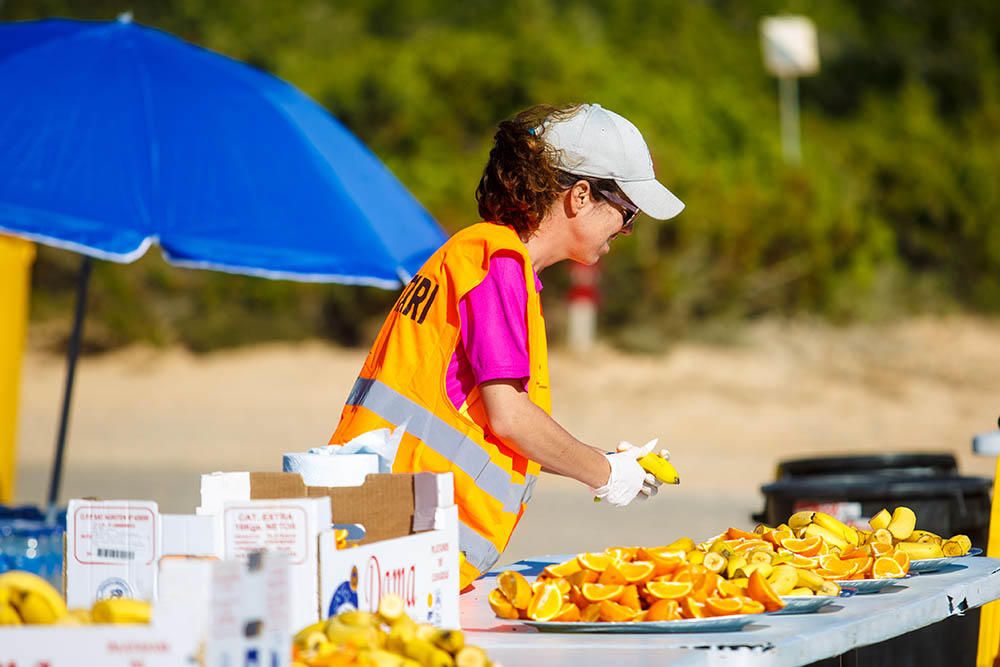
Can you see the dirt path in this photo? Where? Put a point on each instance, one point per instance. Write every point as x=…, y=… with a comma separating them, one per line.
x=145, y=422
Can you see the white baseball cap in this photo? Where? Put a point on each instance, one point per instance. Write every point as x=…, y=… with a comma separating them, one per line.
x=599, y=143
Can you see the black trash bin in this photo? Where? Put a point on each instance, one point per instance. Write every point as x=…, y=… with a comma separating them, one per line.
x=854, y=488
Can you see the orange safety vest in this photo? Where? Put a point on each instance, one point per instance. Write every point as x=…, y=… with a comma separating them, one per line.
x=403, y=380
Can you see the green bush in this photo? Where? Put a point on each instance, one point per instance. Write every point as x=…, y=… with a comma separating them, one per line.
x=892, y=211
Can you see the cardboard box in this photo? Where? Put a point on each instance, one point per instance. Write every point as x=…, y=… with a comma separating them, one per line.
x=210, y=613
x=289, y=526
x=187, y=535
x=410, y=522
x=420, y=567
x=112, y=550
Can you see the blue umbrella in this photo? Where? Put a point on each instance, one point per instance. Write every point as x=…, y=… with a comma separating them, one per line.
x=115, y=136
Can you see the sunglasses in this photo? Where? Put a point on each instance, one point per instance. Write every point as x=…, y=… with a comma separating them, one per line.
x=628, y=210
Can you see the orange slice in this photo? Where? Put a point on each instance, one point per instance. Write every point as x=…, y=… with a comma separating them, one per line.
x=591, y=613
x=637, y=572
x=622, y=554
x=595, y=562
x=516, y=588
x=630, y=598
x=833, y=563
x=663, y=562
x=601, y=592
x=546, y=603
x=737, y=534
x=584, y=577
x=830, y=575
x=689, y=572
x=500, y=605
x=903, y=559
x=705, y=586
x=803, y=562
x=730, y=589
x=691, y=608
x=752, y=545
x=669, y=590
x=856, y=552
x=807, y=546
x=751, y=606
x=716, y=606
x=616, y=613
x=886, y=567
x=760, y=590
x=865, y=565
x=664, y=610
x=612, y=575
x=568, y=614
x=881, y=549
x=566, y=569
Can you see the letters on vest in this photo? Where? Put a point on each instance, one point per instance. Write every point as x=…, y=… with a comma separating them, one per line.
x=412, y=301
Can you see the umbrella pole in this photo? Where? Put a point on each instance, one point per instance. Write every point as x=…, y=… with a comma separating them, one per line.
x=71, y=356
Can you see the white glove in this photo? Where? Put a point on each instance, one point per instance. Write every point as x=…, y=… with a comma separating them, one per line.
x=650, y=484
x=627, y=477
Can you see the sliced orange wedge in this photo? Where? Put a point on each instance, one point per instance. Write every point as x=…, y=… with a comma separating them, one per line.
x=595, y=562
x=516, y=588
x=601, y=592
x=500, y=605
x=716, y=606
x=546, y=603
x=807, y=546
x=886, y=567
x=669, y=590
x=566, y=569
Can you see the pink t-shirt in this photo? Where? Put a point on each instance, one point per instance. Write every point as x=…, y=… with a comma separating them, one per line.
x=494, y=341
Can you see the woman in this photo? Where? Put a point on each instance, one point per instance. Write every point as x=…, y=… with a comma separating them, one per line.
x=461, y=359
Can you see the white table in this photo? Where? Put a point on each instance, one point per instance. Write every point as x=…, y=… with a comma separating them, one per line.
x=848, y=623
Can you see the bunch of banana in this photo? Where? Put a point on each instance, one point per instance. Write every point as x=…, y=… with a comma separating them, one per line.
x=899, y=529
x=832, y=530
x=26, y=598
x=388, y=638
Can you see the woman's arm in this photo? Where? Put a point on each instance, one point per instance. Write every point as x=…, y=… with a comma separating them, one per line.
x=528, y=429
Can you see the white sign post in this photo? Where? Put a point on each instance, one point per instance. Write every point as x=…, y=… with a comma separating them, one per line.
x=788, y=44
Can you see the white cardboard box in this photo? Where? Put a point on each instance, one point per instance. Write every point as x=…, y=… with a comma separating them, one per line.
x=112, y=550
x=210, y=613
x=410, y=523
x=289, y=526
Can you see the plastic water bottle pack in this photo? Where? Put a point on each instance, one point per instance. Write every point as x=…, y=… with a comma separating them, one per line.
x=30, y=542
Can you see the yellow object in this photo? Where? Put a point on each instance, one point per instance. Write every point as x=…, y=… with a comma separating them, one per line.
x=34, y=599
x=121, y=611
x=16, y=257
x=902, y=524
x=660, y=468
x=403, y=380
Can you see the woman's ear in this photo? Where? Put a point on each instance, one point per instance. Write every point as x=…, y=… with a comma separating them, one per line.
x=579, y=196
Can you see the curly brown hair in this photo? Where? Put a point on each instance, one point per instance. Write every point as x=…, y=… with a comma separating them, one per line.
x=521, y=179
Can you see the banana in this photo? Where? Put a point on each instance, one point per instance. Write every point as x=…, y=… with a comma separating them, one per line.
x=660, y=468
x=427, y=654
x=783, y=579
x=735, y=563
x=451, y=641
x=964, y=541
x=695, y=557
x=305, y=633
x=471, y=656
x=801, y=519
x=920, y=550
x=380, y=658
x=849, y=535
x=400, y=634
x=829, y=588
x=880, y=520
x=762, y=556
x=925, y=536
x=9, y=615
x=121, y=611
x=715, y=562
x=391, y=608
x=831, y=538
x=340, y=635
x=358, y=619
x=882, y=536
x=809, y=579
x=682, y=544
x=36, y=601
x=800, y=592
x=902, y=524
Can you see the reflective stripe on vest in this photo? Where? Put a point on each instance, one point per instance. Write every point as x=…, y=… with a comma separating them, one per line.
x=447, y=441
x=479, y=551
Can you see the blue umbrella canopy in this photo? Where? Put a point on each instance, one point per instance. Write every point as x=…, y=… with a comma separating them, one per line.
x=115, y=136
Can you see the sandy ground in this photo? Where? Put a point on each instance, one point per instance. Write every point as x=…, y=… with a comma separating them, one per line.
x=147, y=422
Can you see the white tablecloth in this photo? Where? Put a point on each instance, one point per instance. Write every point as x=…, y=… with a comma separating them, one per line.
x=772, y=640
